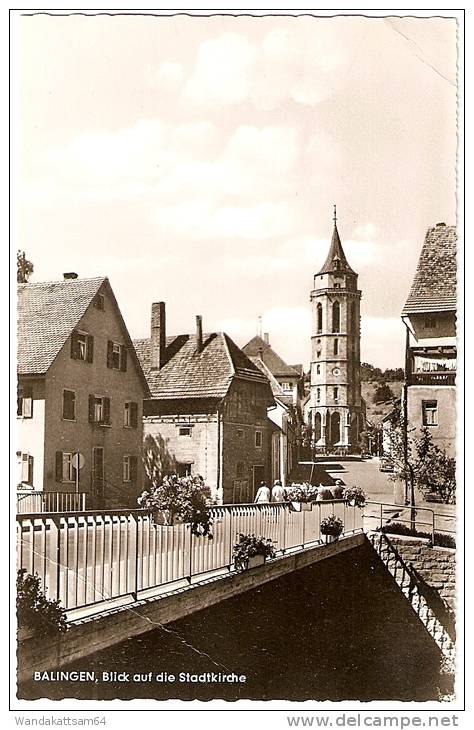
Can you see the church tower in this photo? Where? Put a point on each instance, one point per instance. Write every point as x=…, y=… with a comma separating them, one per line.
x=336, y=413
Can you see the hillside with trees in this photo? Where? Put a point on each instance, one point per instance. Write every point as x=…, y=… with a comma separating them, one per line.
x=380, y=389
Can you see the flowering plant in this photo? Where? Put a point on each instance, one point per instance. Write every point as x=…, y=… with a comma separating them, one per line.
x=248, y=547
x=301, y=493
x=332, y=526
x=356, y=495
x=185, y=497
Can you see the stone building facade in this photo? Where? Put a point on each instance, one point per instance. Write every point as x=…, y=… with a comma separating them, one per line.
x=207, y=413
x=336, y=410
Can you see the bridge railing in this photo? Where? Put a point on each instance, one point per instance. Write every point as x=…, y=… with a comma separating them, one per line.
x=85, y=558
x=378, y=515
x=28, y=501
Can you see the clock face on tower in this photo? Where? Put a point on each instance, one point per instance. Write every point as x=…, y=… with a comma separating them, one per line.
x=336, y=371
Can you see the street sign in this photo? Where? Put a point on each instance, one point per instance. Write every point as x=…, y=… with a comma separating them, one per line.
x=78, y=461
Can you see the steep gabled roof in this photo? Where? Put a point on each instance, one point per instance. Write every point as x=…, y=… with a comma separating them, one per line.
x=277, y=390
x=336, y=258
x=47, y=314
x=434, y=286
x=257, y=347
x=191, y=374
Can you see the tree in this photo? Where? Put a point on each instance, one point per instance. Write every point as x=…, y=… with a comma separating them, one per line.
x=436, y=470
x=383, y=394
x=420, y=464
x=24, y=268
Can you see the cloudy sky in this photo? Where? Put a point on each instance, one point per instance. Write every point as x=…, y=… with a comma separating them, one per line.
x=197, y=160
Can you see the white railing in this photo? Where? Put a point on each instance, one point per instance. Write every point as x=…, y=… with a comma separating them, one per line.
x=86, y=558
x=28, y=501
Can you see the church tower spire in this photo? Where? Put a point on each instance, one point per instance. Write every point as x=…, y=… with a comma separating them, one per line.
x=336, y=407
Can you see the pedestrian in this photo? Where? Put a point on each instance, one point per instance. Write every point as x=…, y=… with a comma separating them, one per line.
x=263, y=494
x=278, y=493
x=338, y=489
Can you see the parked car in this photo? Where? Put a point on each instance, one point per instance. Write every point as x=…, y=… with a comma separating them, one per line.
x=386, y=464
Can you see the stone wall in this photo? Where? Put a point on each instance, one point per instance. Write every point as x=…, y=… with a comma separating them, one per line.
x=436, y=565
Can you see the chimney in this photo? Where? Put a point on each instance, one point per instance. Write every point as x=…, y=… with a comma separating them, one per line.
x=198, y=333
x=266, y=338
x=69, y=275
x=158, y=335
x=441, y=225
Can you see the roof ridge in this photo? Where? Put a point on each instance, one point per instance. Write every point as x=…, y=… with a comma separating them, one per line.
x=29, y=284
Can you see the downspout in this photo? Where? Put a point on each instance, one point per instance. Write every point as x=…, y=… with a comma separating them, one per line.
x=409, y=488
x=220, y=489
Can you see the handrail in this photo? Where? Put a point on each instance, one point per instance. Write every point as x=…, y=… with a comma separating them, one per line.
x=404, y=507
x=144, y=511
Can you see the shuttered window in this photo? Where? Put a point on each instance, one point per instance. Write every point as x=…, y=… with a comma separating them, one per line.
x=25, y=402
x=116, y=356
x=129, y=468
x=27, y=469
x=65, y=471
x=69, y=405
x=130, y=414
x=82, y=346
x=99, y=410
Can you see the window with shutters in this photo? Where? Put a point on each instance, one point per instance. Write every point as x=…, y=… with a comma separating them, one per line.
x=69, y=405
x=126, y=471
x=68, y=472
x=116, y=356
x=82, y=346
x=26, y=469
x=25, y=402
x=99, y=410
x=130, y=414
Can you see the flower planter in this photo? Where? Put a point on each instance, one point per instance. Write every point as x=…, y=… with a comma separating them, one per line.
x=164, y=518
x=256, y=560
x=302, y=506
x=330, y=538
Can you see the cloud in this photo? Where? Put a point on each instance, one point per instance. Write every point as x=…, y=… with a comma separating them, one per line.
x=279, y=322
x=382, y=341
x=302, y=64
x=169, y=75
x=203, y=220
x=223, y=70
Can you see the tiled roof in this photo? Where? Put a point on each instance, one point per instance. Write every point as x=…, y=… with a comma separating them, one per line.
x=277, y=390
x=336, y=252
x=434, y=286
x=257, y=347
x=47, y=314
x=189, y=374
